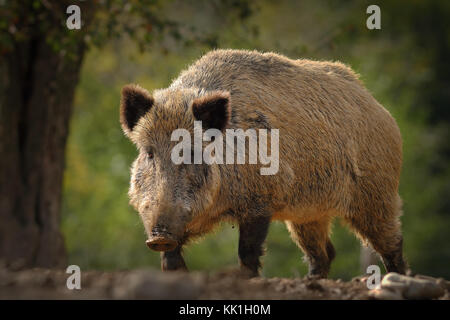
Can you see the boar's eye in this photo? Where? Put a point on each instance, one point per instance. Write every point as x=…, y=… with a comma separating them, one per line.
x=150, y=153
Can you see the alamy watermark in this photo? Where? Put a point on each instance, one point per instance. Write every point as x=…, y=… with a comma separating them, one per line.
x=374, y=280
x=74, y=280
x=374, y=20
x=214, y=151
x=74, y=20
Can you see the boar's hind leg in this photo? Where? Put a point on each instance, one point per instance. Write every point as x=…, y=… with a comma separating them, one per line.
x=172, y=260
x=380, y=226
x=312, y=238
x=252, y=234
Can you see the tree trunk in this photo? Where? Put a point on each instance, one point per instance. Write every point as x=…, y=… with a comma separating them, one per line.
x=36, y=93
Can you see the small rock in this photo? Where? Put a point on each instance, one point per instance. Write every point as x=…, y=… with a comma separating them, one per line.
x=394, y=281
x=423, y=289
x=385, y=294
x=421, y=276
x=336, y=291
x=314, y=286
x=443, y=283
x=412, y=288
x=360, y=279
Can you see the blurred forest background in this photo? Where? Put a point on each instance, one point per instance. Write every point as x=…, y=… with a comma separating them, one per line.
x=405, y=65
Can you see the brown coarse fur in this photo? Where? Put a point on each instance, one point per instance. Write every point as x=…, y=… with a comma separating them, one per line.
x=340, y=155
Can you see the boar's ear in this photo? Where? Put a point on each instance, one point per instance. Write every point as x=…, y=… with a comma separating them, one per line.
x=213, y=110
x=135, y=102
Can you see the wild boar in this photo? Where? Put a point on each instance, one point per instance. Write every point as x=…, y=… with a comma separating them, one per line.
x=340, y=155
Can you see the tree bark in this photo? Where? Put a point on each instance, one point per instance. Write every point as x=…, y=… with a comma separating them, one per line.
x=36, y=93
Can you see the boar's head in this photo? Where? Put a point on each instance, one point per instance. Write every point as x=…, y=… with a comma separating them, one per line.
x=170, y=196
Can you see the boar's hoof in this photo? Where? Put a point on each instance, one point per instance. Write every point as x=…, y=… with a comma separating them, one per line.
x=161, y=244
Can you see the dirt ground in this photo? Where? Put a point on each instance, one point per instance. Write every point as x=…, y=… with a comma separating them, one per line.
x=152, y=284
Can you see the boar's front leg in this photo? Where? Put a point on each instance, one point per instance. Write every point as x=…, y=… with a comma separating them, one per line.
x=252, y=234
x=172, y=260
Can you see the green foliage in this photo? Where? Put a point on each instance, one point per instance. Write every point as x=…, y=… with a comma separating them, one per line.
x=103, y=232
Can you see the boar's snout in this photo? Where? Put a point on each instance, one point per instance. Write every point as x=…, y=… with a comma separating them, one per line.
x=161, y=244
x=160, y=240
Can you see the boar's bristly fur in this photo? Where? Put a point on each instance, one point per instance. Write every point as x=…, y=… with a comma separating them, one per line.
x=340, y=155
x=213, y=110
x=135, y=102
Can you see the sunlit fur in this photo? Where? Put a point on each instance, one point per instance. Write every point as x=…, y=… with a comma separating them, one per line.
x=340, y=154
